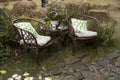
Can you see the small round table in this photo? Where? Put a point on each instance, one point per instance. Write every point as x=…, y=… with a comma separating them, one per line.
x=60, y=32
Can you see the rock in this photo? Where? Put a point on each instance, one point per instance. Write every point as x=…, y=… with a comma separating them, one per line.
x=59, y=63
x=113, y=69
x=77, y=66
x=56, y=72
x=74, y=59
x=118, y=62
x=70, y=77
x=69, y=71
x=79, y=76
x=103, y=61
x=114, y=54
x=71, y=60
x=116, y=77
x=88, y=75
x=56, y=77
x=86, y=59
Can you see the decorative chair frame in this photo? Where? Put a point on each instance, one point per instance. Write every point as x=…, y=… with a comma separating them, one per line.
x=95, y=27
x=30, y=38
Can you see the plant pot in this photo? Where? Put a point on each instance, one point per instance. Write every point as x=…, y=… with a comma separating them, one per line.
x=54, y=24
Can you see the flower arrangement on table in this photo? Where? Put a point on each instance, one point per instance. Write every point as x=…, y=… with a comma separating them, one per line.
x=56, y=12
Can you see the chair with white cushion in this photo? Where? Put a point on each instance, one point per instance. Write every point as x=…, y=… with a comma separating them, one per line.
x=82, y=28
x=29, y=37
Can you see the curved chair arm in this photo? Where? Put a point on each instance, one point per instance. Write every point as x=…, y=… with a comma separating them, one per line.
x=71, y=30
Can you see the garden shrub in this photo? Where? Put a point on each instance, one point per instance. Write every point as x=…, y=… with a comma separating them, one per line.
x=106, y=32
x=7, y=35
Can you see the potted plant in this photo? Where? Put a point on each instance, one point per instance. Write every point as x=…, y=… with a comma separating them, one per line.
x=55, y=13
x=53, y=17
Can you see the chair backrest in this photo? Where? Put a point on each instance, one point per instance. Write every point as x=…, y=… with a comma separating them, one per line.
x=88, y=22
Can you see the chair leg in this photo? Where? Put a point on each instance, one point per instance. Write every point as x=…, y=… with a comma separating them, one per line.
x=96, y=43
x=58, y=44
x=49, y=50
x=37, y=56
x=73, y=47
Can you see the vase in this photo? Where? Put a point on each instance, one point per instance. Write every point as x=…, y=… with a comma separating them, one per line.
x=54, y=24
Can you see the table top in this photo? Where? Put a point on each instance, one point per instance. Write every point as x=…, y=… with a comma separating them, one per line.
x=59, y=28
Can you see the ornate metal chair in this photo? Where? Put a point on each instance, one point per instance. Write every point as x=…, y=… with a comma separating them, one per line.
x=29, y=38
x=82, y=28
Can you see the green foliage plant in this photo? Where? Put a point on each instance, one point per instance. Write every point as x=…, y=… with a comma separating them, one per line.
x=6, y=33
x=106, y=32
x=56, y=11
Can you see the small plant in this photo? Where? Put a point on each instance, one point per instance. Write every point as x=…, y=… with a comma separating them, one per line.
x=106, y=32
x=53, y=15
x=56, y=11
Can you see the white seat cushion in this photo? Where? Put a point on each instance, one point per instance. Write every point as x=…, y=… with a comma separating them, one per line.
x=41, y=40
x=86, y=34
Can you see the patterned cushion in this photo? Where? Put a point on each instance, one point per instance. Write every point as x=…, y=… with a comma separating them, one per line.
x=41, y=40
x=26, y=26
x=87, y=34
x=79, y=25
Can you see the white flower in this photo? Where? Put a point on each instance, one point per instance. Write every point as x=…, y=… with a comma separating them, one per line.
x=13, y=76
x=18, y=77
x=28, y=78
x=40, y=77
x=43, y=68
x=3, y=71
x=10, y=79
x=26, y=74
x=48, y=78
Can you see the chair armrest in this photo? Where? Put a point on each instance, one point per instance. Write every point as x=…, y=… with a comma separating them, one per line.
x=71, y=30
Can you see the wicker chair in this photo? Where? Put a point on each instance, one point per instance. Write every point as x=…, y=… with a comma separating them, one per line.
x=29, y=40
x=92, y=28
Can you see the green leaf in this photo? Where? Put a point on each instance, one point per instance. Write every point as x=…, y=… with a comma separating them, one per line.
x=4, y=14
